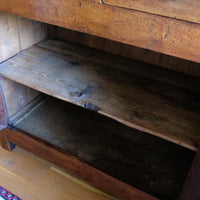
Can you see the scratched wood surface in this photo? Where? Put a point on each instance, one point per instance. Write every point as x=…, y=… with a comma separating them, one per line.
x=144, y=55
x=170, y=36
x=165, y=110
x=124, y=153
x=183, y=10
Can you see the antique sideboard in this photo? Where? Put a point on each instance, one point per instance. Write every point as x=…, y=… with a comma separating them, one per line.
x=108, y=90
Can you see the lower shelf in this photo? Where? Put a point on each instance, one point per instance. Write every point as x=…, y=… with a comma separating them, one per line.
x=148, y=163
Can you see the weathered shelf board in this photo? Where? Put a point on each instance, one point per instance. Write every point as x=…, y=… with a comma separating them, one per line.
x=165, y=110
x=183, y=10
x=166, y=35
x=124, y=153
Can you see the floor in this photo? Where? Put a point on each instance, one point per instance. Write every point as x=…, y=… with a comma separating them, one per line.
x=32, y=178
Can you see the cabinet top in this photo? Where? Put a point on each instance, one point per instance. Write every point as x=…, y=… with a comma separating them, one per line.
x=141, y=26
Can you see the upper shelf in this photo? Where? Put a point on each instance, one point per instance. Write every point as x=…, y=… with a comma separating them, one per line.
x=153, y=106
x=167, y=35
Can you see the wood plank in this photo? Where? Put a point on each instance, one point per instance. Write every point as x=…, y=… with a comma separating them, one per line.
x=162, y=34
x=191, y=186
x=125, y=154
x=152, y=106
x=117, y=48
x=9, y=39
x=183, y=10
x=33, y=178
x=76, y=167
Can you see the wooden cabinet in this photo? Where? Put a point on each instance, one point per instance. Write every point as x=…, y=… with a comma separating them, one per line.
x=128, y=127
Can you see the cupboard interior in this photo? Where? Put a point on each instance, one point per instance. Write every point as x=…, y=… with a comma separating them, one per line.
x=146, y=162
x=132, y=120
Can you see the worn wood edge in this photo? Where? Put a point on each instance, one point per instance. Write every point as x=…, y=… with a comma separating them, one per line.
x=192, y=183
x=161, y=41
x=76, y=167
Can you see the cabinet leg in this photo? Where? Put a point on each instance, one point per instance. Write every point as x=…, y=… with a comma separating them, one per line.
x=5, y=143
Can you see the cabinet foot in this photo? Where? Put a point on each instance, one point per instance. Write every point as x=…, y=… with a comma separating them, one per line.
x=5, y=143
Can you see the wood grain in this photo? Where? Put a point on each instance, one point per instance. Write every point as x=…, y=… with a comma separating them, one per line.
x=17, y=33
x=30, y=32
x=123, y=153
x=34, y=178
x=117, y=48
x=162, y=34
x=149, y=105
x=9, y=39
x=76, y=167
x=183, y=10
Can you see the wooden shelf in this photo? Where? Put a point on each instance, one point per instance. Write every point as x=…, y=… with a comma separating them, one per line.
x=126, y=154
x=160, y=108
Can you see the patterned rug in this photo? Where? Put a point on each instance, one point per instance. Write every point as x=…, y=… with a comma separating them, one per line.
x=5, y=195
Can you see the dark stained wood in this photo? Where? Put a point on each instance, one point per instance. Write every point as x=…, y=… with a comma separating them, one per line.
x=124, y=153
x=183, y=10
x=76, y=167
x=192, y=184
x=162, y=34
x=129, y=51
x=149, y=105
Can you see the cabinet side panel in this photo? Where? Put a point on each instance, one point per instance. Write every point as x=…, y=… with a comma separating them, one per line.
x=16, y=95
x=9, y=39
